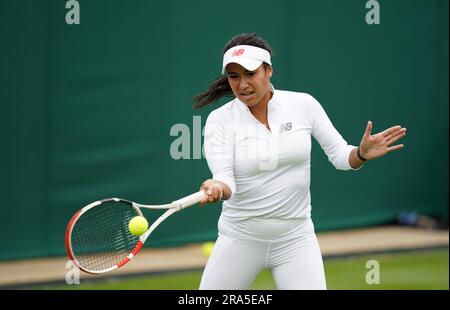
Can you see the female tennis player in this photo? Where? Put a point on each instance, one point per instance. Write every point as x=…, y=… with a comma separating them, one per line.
x=258, y=148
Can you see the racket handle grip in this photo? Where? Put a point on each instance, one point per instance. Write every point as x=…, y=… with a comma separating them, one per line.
x=189, y=200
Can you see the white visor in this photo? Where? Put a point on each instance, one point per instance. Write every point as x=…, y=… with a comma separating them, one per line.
x=248, y=56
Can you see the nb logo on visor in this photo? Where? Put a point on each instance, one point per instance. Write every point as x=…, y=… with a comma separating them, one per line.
x=238, y=52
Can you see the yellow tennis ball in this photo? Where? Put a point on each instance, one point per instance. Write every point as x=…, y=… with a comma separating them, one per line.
x=138, y=225
x=207, y=248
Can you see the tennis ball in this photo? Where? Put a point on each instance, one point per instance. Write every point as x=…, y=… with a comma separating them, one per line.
x=207, y=248
x=138, y=225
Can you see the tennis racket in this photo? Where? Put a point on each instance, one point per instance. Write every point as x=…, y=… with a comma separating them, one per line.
x=98, y=239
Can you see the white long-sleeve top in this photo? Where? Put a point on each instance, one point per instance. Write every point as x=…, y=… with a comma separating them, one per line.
x=268, y=171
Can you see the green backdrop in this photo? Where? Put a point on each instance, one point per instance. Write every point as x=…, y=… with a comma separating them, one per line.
x=87, y=109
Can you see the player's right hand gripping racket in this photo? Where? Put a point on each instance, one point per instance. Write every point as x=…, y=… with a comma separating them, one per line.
x=98, y=239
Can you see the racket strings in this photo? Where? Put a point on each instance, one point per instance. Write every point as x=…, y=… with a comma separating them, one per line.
x=100, y=238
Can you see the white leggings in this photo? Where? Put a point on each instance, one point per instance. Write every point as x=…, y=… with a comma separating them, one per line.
x=288, y=247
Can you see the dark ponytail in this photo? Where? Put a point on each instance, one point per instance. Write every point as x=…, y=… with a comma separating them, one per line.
x=220, y=87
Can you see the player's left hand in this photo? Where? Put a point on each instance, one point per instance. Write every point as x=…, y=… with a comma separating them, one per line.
x=377, y=145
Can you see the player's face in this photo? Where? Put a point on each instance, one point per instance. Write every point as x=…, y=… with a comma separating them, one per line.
x=250, y=87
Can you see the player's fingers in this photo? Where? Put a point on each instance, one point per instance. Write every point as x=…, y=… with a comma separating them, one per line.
x=396, y=137
x=390, y=130
x=206, y=187
x=206, y=183
x=398, y=132
x=395, y=147
x=217, y=192
x=209, y=190
x=214, y=194
x=213, y=191
x=368, y=129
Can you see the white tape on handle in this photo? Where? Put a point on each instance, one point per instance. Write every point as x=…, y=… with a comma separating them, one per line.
x=189, y=200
